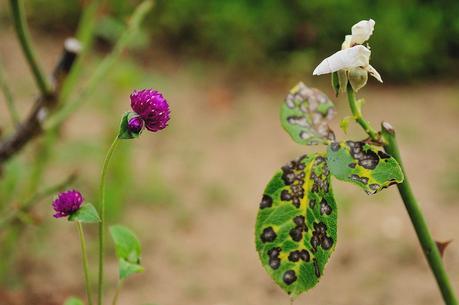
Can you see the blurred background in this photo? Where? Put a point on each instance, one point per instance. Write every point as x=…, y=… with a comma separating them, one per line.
x=191, y=192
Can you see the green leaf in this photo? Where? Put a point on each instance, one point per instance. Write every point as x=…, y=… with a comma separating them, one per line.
x=305, y=115
x=296, y=224
x=128, y=250
x=124, y=132
x=362, y=164
x=73, y=301
x=127, y=245
x=127, y=268
x=86, y=213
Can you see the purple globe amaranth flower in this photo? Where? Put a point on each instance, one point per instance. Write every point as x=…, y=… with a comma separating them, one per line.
x=152, y=107
x=135, y=124
x=67, y=203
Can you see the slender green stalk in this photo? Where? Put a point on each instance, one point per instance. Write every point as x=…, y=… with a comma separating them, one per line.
x=428, y=245
x=102, y=217
x=20, y=25
x=85, y=35
x=117, y=292
x=13, y=213
x=357, y=113
x=84, y=257
x=418, y=221
x=8, y=98
x=103, y=68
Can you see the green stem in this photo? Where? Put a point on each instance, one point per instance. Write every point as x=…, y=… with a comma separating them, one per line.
x=117, y=292
x=103, y=68
x=428, y=245
x=85, y=261
x=8, y=98
x=102, y=217
x=357, y=113
x=85, y=35
x=28, y=204
x=22, y=32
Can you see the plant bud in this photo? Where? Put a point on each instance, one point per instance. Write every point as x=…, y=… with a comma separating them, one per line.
x=358, y=78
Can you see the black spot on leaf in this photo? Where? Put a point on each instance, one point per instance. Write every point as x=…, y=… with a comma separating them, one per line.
x=319, y=237
x=316, y=268
x=274, y=263
x=268, y=235
x=266, y=202
x=327, y=243
x=355, y=177
x=285, y=195
x=383, y=155
x=304, y=255
x=325, y=208
x=299, y=220
x=274, y=260
x=289, y=277
x=296, y=233
x=374, y=186
x=334, y=146
x=294, y=256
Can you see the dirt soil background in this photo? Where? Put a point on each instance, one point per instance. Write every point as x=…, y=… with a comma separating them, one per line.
x=222, y=147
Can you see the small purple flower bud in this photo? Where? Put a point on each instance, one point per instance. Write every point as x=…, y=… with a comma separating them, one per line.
x=152, y=107
x=67, y=203
x=135, y=124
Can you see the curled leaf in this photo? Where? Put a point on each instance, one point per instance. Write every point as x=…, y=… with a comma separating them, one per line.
x=362, y=164
x=305, y=115
x=296, y=224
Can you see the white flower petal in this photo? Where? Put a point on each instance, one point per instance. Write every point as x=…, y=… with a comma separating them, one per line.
x=348, y=58
x=374, y=73
x=347, y=42
x=362, y=31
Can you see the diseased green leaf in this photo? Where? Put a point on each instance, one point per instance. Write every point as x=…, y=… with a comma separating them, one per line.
x=362, y=164
x=86, y=213
x=73, y=301
x=295, y=231
x=127, y=268
x=305, y=115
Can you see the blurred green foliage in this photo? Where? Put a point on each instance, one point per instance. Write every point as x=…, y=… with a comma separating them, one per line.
x=413, y=38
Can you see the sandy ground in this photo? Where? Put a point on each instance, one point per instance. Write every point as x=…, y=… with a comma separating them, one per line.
x=223, y=144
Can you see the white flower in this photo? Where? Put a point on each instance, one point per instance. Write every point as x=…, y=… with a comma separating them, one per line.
x=362, y=31
x=353, y=53
x=357, y=56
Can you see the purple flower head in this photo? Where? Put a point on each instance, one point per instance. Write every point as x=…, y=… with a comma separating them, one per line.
x=152, y=107
x=66, y=203
x=135, y=124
